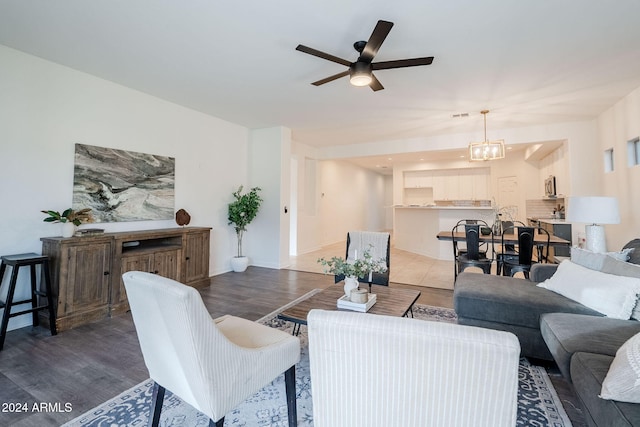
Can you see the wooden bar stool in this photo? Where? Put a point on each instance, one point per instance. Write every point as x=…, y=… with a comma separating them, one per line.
x=24, y=260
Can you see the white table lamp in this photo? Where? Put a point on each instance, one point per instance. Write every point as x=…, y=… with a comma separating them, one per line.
x=594, y=211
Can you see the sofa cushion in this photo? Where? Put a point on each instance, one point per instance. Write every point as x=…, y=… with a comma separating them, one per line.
x=595, y=260
x=588, y=371
x=622, y=382
x=531, y=343
x=620, y=268
x=566, y=334
x=509, y=300
x=612, y=295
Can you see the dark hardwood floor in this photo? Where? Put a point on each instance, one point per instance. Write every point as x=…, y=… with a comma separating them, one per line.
x=83, y=367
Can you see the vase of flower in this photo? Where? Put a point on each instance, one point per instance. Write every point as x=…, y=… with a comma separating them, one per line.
x=353, y=269
x=350, y=283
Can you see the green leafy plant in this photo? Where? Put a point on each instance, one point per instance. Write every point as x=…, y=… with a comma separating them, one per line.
x=360, y=267
x=242, y=211
x=69, y=215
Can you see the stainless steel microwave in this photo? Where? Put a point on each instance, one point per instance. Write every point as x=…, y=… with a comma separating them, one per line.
x=550, y=186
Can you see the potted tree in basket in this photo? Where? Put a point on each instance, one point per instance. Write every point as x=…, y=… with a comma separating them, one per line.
x=241, y=212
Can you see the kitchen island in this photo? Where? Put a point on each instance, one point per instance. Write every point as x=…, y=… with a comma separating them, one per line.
x=415, y=227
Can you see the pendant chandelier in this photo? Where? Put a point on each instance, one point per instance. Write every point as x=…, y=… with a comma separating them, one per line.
x=487, y=150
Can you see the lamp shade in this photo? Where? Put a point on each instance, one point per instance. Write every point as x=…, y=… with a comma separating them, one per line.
x=593, y=210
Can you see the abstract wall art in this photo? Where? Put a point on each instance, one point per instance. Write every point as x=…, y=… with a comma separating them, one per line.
x=123, y=185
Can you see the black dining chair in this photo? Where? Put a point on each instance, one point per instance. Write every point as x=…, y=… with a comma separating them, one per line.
x=525, y=249
x=461, y=246
x=472, y=256
x=507, y=250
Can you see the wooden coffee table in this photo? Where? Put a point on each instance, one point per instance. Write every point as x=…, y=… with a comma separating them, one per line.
x=390, y=302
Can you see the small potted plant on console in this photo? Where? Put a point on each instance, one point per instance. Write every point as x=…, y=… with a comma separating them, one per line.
x=70, y=219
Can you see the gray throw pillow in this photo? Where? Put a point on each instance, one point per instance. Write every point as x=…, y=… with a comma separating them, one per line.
x=634, y=256
x=588, y=259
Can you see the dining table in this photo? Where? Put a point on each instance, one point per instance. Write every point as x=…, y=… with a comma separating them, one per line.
x=539, y=240
x=459, y=236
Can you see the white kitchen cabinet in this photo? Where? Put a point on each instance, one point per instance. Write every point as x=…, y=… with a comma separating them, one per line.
x=466, y=178
x=418, y=179
x=481, y=184
x=452, y=184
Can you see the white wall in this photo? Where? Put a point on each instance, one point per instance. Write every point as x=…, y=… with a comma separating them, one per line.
x=46, y=108
x=334, y=197
x=557, y=164
x=530, y=185
x=616, y=127
x=351, y=198
x=388, y=202
x=308, y=230
x=270, y=160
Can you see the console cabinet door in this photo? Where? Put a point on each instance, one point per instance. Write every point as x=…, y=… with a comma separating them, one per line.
x=164, y=263
x=87, y=277
x=167, y=264
x=140, y=262
x=196, y=256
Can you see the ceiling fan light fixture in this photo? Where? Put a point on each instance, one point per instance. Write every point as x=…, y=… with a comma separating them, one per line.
x=360, y=80
x=486, y=150
x=360, y=74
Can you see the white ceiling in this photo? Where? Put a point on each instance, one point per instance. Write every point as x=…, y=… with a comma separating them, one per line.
x=530, y=63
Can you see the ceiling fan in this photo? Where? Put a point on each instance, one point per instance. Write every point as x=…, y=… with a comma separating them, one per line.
x=361, y=72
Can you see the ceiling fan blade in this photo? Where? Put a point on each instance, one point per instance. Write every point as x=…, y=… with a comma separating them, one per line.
x=380, y=33
x=319, y=54
x=331, y=78
x=375, y=84
x=400, y=63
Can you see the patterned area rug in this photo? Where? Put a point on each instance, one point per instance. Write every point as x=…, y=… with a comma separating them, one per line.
x=538, y=403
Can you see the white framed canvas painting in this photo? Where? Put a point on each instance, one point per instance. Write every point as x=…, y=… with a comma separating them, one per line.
x=121, y=185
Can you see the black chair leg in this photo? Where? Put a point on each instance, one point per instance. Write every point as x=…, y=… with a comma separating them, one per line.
x=290, y=387
x=52, y=309
x=34, y=296
x=156, y=405
x=6, y=313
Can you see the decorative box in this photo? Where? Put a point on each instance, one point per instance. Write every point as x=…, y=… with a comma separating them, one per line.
x=345, y=303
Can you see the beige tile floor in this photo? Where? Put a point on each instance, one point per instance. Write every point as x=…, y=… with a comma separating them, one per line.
x=406, y=267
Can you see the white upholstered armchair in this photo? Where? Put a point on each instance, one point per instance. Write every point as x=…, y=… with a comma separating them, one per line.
x=213, y=365
x=372, y=370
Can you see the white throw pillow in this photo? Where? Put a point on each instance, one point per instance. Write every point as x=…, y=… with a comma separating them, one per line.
x=621, y=268
x=622, y=382
x=613, y=296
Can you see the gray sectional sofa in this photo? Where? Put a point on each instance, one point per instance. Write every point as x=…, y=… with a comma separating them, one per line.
x=513, y=305
x=550, y=326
